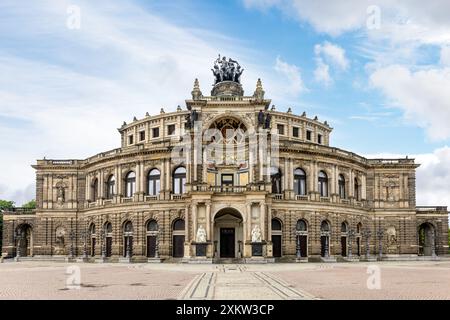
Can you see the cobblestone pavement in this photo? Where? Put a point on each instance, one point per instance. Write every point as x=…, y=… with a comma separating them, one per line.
x=57, y=280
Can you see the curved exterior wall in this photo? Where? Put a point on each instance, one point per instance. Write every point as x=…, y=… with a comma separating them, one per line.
x=69, y=201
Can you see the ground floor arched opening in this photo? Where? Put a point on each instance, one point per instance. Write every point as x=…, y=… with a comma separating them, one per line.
x=228, y=234
x=178, y=238
x=24, y=240
x=426, y=239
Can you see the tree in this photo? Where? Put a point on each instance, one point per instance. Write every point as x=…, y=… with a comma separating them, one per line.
x=30, y=204
x=4, y=204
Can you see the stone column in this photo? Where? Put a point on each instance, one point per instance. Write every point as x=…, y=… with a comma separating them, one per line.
x=194, y=220
x=262, y=220
x=119, y=180
x=163, y=177
x=363, y=187
x=168, y=176
x=249, y=222
x=208, y=222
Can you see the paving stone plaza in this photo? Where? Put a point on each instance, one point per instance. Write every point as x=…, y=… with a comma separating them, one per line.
x=279, y=281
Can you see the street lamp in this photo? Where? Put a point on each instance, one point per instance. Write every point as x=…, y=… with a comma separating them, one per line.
x=351, y=234
x=71, y=237
x=433, y=243
x=298, y=251
x=84, y=235
x=367, y=235
x=103, y=235
x=128, y=254
x=157, y=244
x=380, y=234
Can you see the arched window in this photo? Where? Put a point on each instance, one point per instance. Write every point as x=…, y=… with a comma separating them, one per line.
x=92, y=229
x=108, y=227
x=276, y=225
x=153, y=182
x=130, y=186
x=152, y=225
x=178, y=225
x=301, y=225
x=299, y=182
x=275, y=178
x=323, y=184
x=179, y=180
x=344, y=227
x=359, y=228
x=341, y=183
x=128, y=227
x=95, y=190
x=325, y=226
x=357, y=197
x=110, y=187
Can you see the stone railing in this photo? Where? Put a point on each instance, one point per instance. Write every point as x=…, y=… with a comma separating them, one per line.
x=177, y=196
x=151, y=198
x=325, y=199
x=127, y=200
x=277, y=196
x=18, y=211
x=228, y=189
x=431, y=208
x=301, y=197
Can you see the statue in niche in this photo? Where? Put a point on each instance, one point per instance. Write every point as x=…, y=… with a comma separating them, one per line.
x=392, y=236
x=256, y=234
x=60, y=241
x=60, y=193
x=201, y=234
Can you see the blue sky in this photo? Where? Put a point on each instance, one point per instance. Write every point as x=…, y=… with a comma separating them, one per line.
x=383, y=87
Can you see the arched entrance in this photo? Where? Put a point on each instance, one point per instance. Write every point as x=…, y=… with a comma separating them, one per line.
x=228, y=234
x=152, y=233
x=93, y=239
x=325, y=238
x=301, y=229
x=427, y=240
x=178, y=236
x=344, y=235
x=24, y=240
x=108, y=239
x=276, y=237
x=128, y=239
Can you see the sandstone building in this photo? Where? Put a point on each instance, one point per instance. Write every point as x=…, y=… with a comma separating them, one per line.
x=166, y=194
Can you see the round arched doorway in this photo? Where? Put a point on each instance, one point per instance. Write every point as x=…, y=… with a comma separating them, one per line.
x=427, y=240
x=24, y=240
x=228, y=234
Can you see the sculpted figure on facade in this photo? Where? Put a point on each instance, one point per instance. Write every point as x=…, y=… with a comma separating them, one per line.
x=201, y=234
x=256, y=234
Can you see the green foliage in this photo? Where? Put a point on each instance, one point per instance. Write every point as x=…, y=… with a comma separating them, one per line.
x=30, y=204
x=5, y=204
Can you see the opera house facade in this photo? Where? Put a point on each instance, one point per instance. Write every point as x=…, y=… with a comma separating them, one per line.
x=229, y=177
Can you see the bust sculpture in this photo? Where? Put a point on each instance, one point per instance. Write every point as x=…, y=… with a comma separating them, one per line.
x=256, y=234
x=201, y=234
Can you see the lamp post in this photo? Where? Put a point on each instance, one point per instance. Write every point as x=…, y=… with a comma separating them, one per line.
x=84, y=235
x=367, y=235
x=71, y=237
x=103, y=235
x=433, y=243
x=128, y=253
x=380, y=234
x=351, y=234
x=298, y=250
x=327, y=251
x=157, y=244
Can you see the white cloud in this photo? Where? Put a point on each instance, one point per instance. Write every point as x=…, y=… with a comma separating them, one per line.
x=65, y=92
x=445, y=56
x=292, y=73
x=333, y=54
x=322, y=73
x=423, y=95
